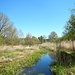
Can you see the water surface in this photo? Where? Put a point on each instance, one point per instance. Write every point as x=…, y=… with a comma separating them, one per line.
x=41, y=67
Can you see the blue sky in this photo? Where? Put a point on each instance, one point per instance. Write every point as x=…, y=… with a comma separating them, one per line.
x=38, y=17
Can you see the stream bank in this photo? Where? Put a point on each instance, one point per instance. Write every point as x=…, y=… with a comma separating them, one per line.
x=15, y=67
x=65, y=64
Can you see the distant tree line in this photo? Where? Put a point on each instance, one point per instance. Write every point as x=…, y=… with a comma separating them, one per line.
x=9, y=35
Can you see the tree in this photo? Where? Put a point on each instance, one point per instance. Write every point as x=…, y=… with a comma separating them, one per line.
x=28, y=40
x=14, y=36
x=35, y=40
x=1, y=40
x=40, y=39
x=69, y=32
x=4, y=23
x=52, y=36
x=7, y=30
x=11, y=36
x=31, y=40
x=21, y=36
x=44, y=38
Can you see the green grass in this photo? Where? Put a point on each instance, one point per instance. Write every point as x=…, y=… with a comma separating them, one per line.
x=67, y=67
x=63, y=70
x=9, y=53
x=15, y=67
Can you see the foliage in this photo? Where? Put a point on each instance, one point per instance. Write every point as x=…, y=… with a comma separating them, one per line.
x=1, y=40
x=31, y=40
x=69, y=32
x=63, y=70
x=53, y=36
x=8, y=33
x=35, y=40
x=42, y=39
x=70, y=28
x=65, y=64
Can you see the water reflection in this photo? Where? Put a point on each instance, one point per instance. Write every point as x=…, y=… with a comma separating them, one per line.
x=65, y=58
x=41, y=67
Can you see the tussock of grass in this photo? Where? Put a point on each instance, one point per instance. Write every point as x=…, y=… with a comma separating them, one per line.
x=63, y=70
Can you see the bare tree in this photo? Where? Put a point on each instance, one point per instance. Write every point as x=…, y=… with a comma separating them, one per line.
x=7, y=29
x=4, y=22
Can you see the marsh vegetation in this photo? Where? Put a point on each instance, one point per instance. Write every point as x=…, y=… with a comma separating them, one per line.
x=65, y=64
x=15, y=67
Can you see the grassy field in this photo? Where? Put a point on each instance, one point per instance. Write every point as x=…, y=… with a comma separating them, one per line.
x=15, y=67
x=13, y=60
x=15, y=53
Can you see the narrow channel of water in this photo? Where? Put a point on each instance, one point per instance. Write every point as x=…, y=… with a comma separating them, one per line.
x=41, y=67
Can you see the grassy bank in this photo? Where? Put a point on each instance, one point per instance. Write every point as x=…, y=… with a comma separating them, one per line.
x=15, y=67
x=63, y=70
x=65, y=64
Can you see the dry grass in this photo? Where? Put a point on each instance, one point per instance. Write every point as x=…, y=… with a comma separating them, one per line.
x=19, y=51
x=10, y=53
x=5, y=47
x=49, y=45
x=66, y=44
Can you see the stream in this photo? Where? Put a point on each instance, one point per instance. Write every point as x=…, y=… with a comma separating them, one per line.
x=41, y=67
